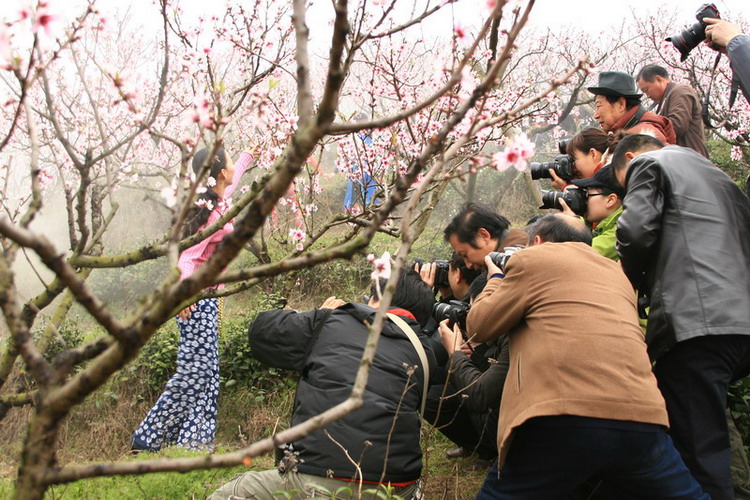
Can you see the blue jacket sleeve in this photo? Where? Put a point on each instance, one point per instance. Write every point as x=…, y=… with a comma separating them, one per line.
x=738, y=51
x=639, y=226
x=281, y=338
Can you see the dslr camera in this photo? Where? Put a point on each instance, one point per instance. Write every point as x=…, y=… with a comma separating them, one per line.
x=562, y=165
x=695, y=34
x=574, y=197
x=441, y=272
x=501, y=258
x=454, y=311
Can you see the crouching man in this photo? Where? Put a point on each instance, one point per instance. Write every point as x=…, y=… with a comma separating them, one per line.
x=377, y=444
x=580, y=400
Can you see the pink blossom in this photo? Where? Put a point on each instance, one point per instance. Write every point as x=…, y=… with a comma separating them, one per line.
x=169, y=194
x=244, y=189
x=297, y=235
x=459, y=31
x=45, y=21
x=491, y=4
x=516, y=154
x=205, y=203
x=736, y=153
x=299, y=247
x=211, y=182
x=381, y=265
x=6, y=50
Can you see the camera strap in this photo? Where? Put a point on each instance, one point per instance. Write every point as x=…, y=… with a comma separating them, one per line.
x=414, y=339
x=735, y=86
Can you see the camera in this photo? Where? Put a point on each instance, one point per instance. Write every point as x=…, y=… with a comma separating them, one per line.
x=695, y=34
x=562, y=164
x=441, y=272
x=501, y=258
x=575, y=198
x=454, y=311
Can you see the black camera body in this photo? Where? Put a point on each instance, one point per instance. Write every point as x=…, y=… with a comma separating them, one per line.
x=501, y=258
x=454, y=311
x=562, y=166
x=695, y=34
x=441, y=272
x=574, y=197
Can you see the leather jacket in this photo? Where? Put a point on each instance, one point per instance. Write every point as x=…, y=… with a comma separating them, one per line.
x=684, y=240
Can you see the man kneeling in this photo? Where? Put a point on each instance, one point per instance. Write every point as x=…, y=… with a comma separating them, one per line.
x=375, y=446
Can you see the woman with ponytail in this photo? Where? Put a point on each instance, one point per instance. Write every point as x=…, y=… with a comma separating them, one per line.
x=185, y=413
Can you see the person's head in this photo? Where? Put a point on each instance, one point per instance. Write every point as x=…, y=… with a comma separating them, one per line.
x=477, y=286
x=628, y=148
x=221, y=169
x=412, y=294
x=616, y=94
x=587, y=148
x=460, y=277
x=603, y=194
x=475, y=232
x=558, y=228
x=653, y=81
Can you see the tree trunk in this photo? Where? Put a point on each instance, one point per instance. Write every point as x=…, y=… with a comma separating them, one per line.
x=39, y=456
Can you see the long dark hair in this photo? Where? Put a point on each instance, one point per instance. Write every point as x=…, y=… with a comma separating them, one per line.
x=198, y=215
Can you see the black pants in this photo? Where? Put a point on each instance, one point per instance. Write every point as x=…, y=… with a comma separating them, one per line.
x=472, y=431
x=694, y=377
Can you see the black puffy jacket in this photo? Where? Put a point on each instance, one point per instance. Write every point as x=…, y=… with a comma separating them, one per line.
x=328, y=365
x=684, y=239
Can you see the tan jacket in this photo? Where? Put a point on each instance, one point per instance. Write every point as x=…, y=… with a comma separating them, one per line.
x=681, y=105
x=575, y=344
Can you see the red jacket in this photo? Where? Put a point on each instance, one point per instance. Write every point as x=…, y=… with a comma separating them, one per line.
x=657, y=125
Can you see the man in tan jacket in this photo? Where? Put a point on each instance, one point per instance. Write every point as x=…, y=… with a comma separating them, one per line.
x=580, y=399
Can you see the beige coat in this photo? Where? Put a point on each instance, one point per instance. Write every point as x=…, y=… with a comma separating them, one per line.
x=575, y=344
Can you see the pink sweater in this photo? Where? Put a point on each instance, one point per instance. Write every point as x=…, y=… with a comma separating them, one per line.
x=192, y=258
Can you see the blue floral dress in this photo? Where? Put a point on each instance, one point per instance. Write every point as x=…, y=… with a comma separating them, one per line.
x=185, y=414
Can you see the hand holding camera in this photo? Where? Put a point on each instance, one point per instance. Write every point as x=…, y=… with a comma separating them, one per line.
x=719, y=33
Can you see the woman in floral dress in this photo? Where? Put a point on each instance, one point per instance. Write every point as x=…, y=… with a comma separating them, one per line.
x=185, y=413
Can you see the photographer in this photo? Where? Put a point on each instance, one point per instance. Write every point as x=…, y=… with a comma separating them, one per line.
x=678, y=102
x=326, y=345
x=684, y=240
x=586, y=148
x=579, y=400
x=603, y=208
x=458, y=277
x=466, y=409
x=477, y=230
x=727, y=37
x=618, y=107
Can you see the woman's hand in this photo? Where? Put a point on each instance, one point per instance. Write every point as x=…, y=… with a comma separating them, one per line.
x=184, y=315
x=557, y=182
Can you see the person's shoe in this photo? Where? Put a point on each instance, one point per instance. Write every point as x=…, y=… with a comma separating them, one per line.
x=459, y=452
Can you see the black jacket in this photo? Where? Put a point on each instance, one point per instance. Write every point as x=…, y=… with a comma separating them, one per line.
x=328, y=365
x=481, y=380
x=684, y=239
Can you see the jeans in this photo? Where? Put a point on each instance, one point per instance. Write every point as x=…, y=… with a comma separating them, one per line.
x=548, y=460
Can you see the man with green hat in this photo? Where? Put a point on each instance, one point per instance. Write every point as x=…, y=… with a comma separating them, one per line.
x=618, y=107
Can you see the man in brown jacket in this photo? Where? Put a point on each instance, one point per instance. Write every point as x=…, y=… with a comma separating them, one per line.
x=677, y=102
x=580, y=399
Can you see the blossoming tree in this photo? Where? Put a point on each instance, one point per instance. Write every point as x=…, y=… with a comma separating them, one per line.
x=92, y=106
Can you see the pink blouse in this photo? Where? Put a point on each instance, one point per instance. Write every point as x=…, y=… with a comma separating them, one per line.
x=192, y=258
